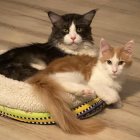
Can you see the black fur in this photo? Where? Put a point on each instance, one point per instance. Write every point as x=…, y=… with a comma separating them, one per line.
x=16, y=62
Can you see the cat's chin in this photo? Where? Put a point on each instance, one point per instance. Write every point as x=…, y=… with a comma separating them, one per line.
x=72, y=46
x=115, y=76
x=83, y=48
x=73, y=43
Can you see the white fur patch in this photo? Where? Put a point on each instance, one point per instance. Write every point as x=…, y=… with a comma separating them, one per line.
x=104, y=85
x=72, y=34
x=85, y=48
x=38, y=64
x=73, y=82
x=3, y=51
x=72, y=31
x=74, y=85
x=69, y=79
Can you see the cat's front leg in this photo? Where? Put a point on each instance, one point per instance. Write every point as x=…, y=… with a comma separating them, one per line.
x=73, y=83
x=78, y=89
x=107, y=94
x=111, y=97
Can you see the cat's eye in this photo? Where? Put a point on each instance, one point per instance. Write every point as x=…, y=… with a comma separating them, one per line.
x=120, y=62
x=65, y=30
x=79, y=30
x=109, y=62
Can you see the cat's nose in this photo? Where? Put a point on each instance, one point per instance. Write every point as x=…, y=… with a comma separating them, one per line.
x=73, y=38
x=114, y=71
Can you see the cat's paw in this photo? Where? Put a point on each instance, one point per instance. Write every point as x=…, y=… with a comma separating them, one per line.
x=88, y=92
x=110, y=98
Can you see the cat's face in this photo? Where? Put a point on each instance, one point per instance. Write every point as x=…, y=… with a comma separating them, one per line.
x=72, y=29
x=115, y=60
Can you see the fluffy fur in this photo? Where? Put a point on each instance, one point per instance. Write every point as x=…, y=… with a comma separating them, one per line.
x=82, y=76
x=53, y=95
x=107, y=75
x=71, y=34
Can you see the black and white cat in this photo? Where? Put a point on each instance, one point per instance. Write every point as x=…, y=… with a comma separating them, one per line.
x=71, y=35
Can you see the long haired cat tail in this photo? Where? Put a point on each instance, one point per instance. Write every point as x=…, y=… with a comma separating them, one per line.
x=52, y=94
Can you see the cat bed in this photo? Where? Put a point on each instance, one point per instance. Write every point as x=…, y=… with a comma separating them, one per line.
x=83, y=111
x=19, y=101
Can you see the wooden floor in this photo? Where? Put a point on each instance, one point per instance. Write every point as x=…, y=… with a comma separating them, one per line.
x=118, y=21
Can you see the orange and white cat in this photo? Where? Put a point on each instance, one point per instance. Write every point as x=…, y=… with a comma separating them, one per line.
x=70, y=80
x=108, y=74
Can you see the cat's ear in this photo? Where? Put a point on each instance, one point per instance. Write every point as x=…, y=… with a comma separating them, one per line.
x=104, y=46
x=89, y=16
x=54, y=17
x=128, y=48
